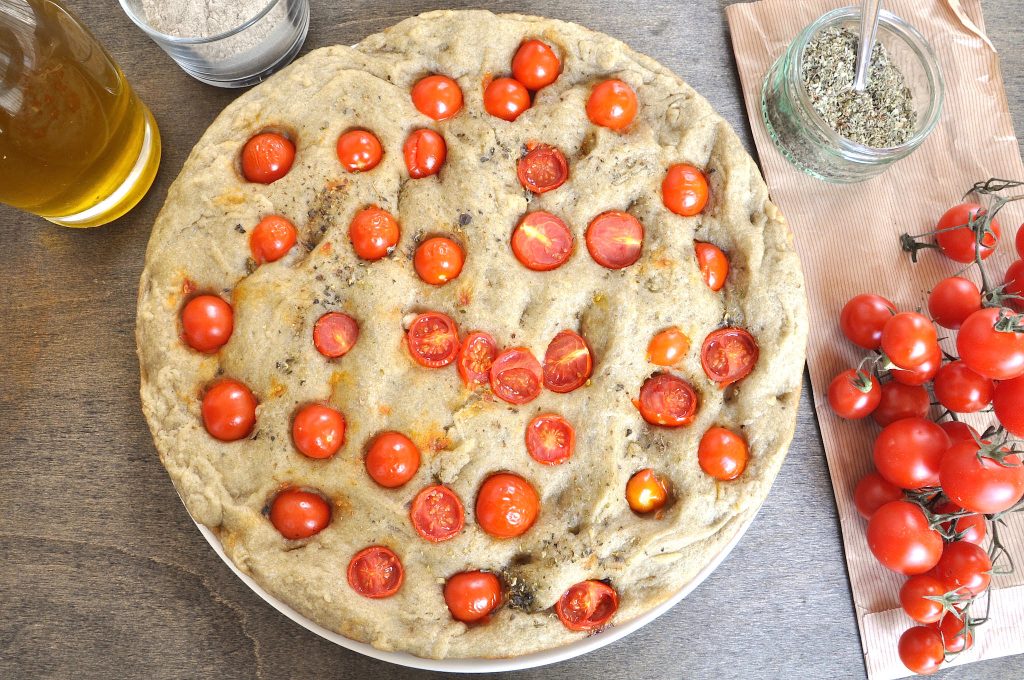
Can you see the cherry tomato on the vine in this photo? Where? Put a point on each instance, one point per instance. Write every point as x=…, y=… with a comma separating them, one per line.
x=854, y=395
x=901, y=401
x=872, y=492
x=961, y=390
x=921, y=650
x=995, y=354
x=908, y=452
x=964, y=568
x=914, y=596
x=957, y=240
x=971, y=528
x=923, y=372
x=956, y=635
x=1014, y=282
x=959, y=432
x=952, y=300
x=900, y=538
x=981, y=484
x=863, y=319
x=1007, y=400
x=908, y=339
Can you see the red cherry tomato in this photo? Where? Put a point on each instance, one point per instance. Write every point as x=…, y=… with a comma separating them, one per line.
x=853, y=397
x=713, y=263
x=981, y=484
x=684, y=190
x=271, y=239
x=668, y=347
x=392, y=459
x=437, y=97
x=1020, y=241
x=914, y=597
x=956, y=635
x=722, y=454
x=424, y=152
x=953, y=300
x=908, y=452
x=535, y=65
x=433, y=340
x=506, y=98
x=615, y=239
x=437, y=514
x=960, y=244
x=318, y=431
x=567, y=362
x=961, y=390
x=971, y=528
x=587, y=606
x=899, y=537
x=541, y=241
x=646, y=492
x=438, y=260
x=901, y=401
x=476, y=357
x=612, y=104
x=542, y=169
x=359, y=150
x=863, y=319
x=299, y=514
x=516, y=376
x=374, y=233
x=959, y=432
x=964, y=568
x=550, y=439
x=267, y=157
x=920, y=649
x=1007, y=400
x=229, y=411
x=667, y=400
x=1014, y=282
x=995, y=354
x=729, y=355
x=908, y=339
x=334, y=334
x=206, y=323
x=923, y=372
x=376, y=572
x=507, y=505
x=471, y=596
x=872, y=492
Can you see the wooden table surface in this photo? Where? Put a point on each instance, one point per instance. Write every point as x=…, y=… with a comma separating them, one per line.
x=103, y=573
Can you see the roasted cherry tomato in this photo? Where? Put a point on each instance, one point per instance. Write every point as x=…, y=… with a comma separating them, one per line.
x=299, y=514
x=952, y=300
x=722, y=454
x=872, y=492
x=908, y=339
x=359, y=150
x=964, y=568
x=541, y=241
x=615, y=239
x=957, y=240
x=961, y=390
x=908, y=452
x=1014, y=282
x=901, y=401
x=516, y=376
x=392, y=459
x=535, y=65
x=646, y=492
x=1007, y=400
x=506, y=98
x=713, y=263
x=229, y=410
x=438, y=260
x=318, y=431
x=550, y=439
x=376, y=572
x=959, y=432
x=206, y=323
x=612, y=104
x=507, y=505
x=668, y=347
x=956, y=635
x=667, y=400
x=901, y=539
x=853, y=394
x=374, y=233
x=684, y=190
x=968, y=527
x=729, y=355
x=587, y=606
x=437, y=513
x=267, y=157
x=471, y=596
x=424, y=152
x=437, y=97
x=542, y=169
x=433, y=340
x=995, y=354
x=475, y=358
x=334, y=334
x=981, y=484
x=923, y=372
x=863, y=319
x=920, y=649
x=914, y=597
x=567, y=362
x=271, y=239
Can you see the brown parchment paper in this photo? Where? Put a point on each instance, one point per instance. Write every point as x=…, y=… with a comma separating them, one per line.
x=847, y=239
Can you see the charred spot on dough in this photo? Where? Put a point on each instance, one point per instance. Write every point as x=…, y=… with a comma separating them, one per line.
x=520, y=594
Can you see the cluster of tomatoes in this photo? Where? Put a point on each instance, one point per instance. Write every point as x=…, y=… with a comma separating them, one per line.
x=940, y=487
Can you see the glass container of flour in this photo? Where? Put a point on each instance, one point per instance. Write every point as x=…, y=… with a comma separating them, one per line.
x=228, y=43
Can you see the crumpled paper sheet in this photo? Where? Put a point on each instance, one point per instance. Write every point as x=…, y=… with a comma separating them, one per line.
x=847, y=237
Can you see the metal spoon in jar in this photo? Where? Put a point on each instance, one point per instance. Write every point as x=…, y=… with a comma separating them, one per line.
x=869, y=10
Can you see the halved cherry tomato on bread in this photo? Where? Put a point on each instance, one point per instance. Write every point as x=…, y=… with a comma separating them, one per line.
x=424, y=152
x=541, y=241
x=376, y=572
x=542, y=169
x=318, y=431
x=667, y=400
x=334, y=334
x=722, y=454
x=267, y=157
x=229, y=410
x=374, y=233
x=615, y=239
x=506, y=98
x=471, y=596
x=438, y=260
x=433, y=339
x=437, y=97
x=535, y=65
x=713, y=263
x=908, y=339
x=359, y=150
x=668, y=347
x=863, y=318
x=684, y=190
x=296, y=513
x=646, y=492
x=729, y=355
x=612, y=104
x=392, y=459
x=958, y=241
x=437, y=513
x=206, y=323
x=516, y=376
x=550, y=439
x=506, y=505
x=271, y=238
x=567, y=362
x=587, y=606
x=475, y=358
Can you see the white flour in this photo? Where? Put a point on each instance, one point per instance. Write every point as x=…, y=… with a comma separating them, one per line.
x=203, y=18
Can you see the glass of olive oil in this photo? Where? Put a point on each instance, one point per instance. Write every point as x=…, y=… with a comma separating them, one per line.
x=77, y=146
